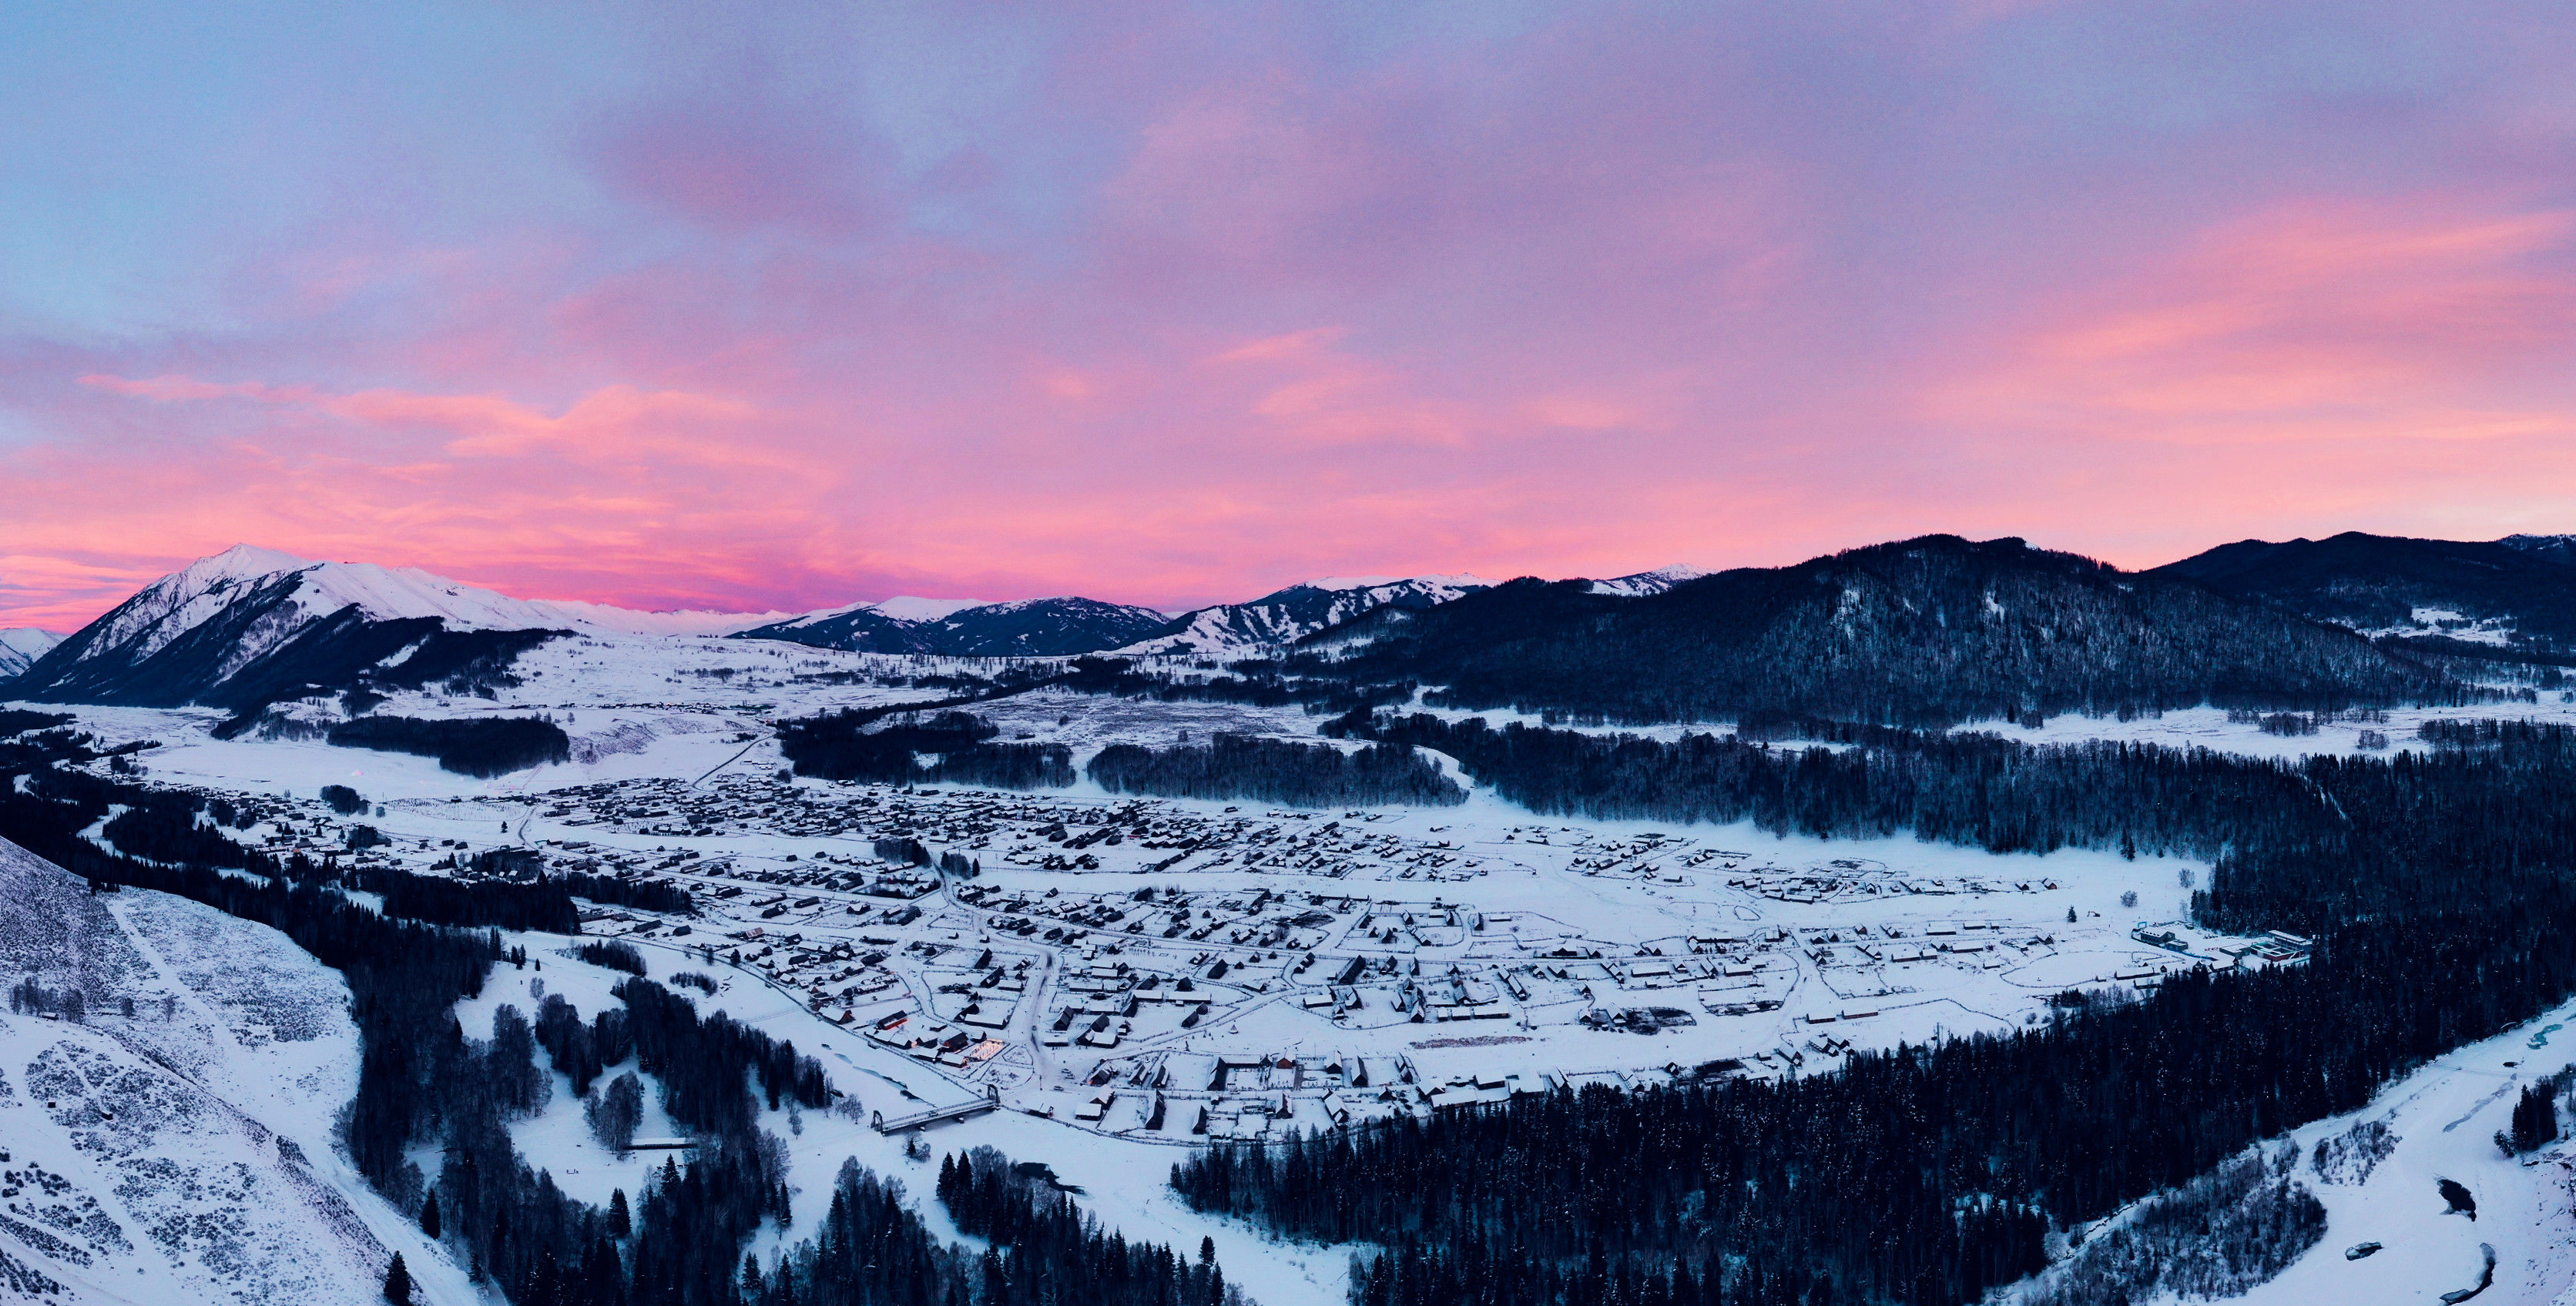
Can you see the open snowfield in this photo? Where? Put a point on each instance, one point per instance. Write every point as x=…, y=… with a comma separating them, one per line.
x=1132, y=977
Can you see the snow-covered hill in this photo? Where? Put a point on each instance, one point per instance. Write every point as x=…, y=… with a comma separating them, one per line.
x=21, y=646
x=1649, y=582
x=183, y=1153
x=1052, y=627
x=1278, y=619
x=250, y=614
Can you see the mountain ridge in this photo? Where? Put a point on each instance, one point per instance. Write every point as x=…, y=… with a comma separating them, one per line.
x=1933, y=630
x=1047, y=627
x=1294, y=612
x=1936, y=628
x=2517, y=592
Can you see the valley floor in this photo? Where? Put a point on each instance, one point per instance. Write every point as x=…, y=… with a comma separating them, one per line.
x=1130, y=978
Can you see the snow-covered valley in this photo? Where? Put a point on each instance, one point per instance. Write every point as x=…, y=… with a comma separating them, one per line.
x=1098, y=982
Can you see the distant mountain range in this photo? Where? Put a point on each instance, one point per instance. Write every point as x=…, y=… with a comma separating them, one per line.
x=250, y=626
x=1933, y=629
x=20, y=646
x=1028, y=628
x=1286, y=616
x=1062, y=627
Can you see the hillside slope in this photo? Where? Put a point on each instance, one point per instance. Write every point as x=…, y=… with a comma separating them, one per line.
x=2510, y=593
x=184, y=1153
x=1936, y=629
x=247, y=626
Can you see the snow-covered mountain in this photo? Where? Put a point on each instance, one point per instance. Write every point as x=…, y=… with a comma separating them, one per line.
x=252, y=622
x=1649, y=582
x=20, y=647
x=1286, y=616
x=963, y=628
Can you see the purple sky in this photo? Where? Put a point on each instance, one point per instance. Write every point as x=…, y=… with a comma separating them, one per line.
x=785, y=305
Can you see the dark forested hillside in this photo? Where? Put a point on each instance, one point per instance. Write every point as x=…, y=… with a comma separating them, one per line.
x=1044, y=1250
x=948, y=746
x=476, y=746
x=1276, y=771
x=2378, y=582
x=1927, y=631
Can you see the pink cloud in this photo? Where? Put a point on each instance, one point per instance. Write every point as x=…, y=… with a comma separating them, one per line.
x=170, y=388
x=612, y=421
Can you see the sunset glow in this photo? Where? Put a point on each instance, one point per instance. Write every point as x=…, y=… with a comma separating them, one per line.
x=776, y=307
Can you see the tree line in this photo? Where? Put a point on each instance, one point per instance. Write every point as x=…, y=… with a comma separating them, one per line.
x=1041, y=1249
x=477, y=746
x=2296, y=844
x=1277, y=771
x=1319, y=689
x=841, y=746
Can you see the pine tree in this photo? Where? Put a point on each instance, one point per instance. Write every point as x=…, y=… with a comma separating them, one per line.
x=429, y=1217
x=620, y=1222
x=545, y=1286
x=398, y=1282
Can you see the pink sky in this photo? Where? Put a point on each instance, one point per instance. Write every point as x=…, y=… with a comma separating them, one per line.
x=667, y=306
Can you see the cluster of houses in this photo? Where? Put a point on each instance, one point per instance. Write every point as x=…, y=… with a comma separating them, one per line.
x=1853, y=880
x=872, y=906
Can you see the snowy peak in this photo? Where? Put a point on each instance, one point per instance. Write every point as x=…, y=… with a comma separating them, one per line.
x=20, y=647
x=905, y=607
x=250, y=624
x=181, y=601
x=1276, y=620
x=1649, y=582
x=240, y=562
x=396, y=593
x=1461, y=583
